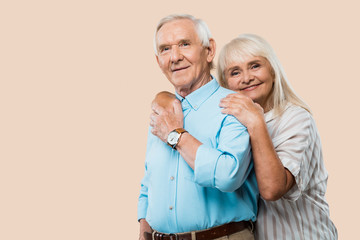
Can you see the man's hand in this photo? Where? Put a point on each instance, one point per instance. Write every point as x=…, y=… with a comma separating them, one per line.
x=144, y=227
x=163, y=121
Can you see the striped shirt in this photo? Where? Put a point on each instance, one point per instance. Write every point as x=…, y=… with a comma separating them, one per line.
x=302, y=213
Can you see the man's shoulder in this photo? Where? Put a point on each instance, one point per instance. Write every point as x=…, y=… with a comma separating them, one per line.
x=214, y=102
x=214, y=99
x=222, y=92
x=225, y=91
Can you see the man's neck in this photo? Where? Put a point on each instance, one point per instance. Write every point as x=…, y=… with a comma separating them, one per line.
x=186, y=90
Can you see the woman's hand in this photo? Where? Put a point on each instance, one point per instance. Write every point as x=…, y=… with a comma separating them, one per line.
x=243, y=108
x=164, y=99
x=167, y=115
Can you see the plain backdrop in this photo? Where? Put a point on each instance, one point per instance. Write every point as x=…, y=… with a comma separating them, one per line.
x=77, y=78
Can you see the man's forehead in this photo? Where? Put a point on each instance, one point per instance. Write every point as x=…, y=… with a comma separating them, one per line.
x=176, y=30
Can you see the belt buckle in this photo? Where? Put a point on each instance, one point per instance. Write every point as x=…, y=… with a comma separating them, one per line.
x=157, y=235
x=171, y=235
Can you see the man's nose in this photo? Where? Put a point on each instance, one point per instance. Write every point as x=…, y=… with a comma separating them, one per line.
x=175, y=54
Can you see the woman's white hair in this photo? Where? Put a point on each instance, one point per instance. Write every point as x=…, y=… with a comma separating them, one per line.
x=250, y=45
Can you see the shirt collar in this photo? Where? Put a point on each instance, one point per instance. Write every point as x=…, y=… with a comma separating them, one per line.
x=269, y=116
x=199, y=96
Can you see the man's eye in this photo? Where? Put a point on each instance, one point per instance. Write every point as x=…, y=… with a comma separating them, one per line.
x=164, y=49
x=184, y=44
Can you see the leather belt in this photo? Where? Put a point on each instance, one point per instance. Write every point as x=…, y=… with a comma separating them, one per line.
x=211, y=233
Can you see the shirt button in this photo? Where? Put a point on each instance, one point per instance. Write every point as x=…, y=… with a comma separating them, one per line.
x=171, y=207
x=171, y=178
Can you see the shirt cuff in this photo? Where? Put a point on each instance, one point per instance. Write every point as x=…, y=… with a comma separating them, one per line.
x=142, y=209
x=205, y=165
x=295, y=192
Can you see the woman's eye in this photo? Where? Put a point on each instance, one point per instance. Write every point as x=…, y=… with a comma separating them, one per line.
x=235, y=73
x=255, y=66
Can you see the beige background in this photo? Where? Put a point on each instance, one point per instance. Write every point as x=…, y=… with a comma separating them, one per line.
x=77, y=78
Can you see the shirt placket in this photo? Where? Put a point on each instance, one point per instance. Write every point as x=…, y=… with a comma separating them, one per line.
x=172, y=178
x=186, y=107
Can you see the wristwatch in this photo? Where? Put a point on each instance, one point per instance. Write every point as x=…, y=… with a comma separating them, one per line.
x=174, y=137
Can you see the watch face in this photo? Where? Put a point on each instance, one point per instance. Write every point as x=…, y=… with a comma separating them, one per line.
x=173, y=138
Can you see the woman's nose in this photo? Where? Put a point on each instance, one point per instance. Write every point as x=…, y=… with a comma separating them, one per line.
x=247, y=77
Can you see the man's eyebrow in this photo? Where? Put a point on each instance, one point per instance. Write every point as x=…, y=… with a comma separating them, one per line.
x=161, y=46
x=184, y=41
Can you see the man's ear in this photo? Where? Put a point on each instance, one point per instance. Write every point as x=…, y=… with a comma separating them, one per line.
x=157, y=59
x=211, y=50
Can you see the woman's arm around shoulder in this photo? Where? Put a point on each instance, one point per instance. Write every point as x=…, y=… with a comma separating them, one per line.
x=273, y=179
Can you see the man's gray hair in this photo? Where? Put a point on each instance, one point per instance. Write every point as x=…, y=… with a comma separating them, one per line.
x=200, y=26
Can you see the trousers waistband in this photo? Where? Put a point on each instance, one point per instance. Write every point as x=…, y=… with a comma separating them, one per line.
x=208, y=234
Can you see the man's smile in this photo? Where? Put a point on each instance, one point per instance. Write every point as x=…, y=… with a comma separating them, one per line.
x=179, y=69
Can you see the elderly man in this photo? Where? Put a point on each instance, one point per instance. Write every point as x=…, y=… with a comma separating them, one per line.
x=199, y=179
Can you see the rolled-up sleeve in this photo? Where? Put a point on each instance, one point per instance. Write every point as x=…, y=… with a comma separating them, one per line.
x=227, y=165
x=299, y=144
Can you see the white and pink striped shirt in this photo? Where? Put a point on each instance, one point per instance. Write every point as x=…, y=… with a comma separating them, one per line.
x=302, y=213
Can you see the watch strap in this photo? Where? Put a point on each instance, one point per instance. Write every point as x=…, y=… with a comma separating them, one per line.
x=180, y=130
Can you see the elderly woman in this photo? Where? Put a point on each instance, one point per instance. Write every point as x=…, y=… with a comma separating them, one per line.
x=285, y=142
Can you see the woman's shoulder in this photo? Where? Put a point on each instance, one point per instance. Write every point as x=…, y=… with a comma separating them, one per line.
x=294, y=112
x=294, y=119
x=295, y=124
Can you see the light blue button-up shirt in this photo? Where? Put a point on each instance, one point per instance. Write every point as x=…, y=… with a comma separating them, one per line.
x=175, y=198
